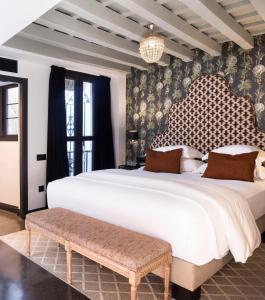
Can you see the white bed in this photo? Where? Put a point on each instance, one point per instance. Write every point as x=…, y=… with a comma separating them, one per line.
x=202, y=218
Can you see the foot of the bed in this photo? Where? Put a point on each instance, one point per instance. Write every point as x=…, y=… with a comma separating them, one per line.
x=180, y=293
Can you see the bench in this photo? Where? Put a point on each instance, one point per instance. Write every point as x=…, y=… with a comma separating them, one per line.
x=126, y=252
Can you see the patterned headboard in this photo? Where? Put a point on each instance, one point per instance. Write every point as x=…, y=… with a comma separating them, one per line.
x=211, y=116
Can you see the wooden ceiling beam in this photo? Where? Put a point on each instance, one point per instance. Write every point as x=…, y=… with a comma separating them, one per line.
x=165, y=19
x=96, y=13
x=216, y=15
x=67, y=24
x=51, y=37
x=35, y=47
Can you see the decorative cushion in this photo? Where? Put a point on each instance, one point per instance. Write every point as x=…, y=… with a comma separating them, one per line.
x=167, y=162
x=259, y=172
x=128, y=248
x=231, y=167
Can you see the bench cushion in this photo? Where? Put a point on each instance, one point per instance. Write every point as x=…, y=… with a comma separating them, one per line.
x=125, y=247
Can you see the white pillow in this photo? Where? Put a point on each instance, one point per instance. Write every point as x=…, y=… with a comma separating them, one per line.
x=188, y=152
x=259, y=172
x=233, y=150
x=189, y=164
x=201, y=169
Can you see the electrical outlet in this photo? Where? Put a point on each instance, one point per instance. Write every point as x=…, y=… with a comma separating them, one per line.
x=41, y=156
x=41, y=188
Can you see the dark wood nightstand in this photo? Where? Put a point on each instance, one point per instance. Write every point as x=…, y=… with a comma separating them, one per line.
x=126, y=167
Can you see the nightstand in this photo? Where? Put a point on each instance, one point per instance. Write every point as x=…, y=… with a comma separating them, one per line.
x=126, y=167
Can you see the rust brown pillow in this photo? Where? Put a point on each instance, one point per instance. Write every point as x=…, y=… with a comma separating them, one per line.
x=167, y=162
x=231, y=167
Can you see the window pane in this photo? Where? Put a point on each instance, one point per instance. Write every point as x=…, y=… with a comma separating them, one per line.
x=70, y=108
x=87, y=109
x=12, y=111
x=87, y=156
x=71, y=157
x=12, y=95
x=11, y=126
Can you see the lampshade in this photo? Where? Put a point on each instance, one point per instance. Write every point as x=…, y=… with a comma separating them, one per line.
x=151, y=48
x=132, y=134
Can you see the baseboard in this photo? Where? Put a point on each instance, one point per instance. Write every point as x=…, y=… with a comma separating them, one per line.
x=10, y=208
x=263, y=237
x=37, y=209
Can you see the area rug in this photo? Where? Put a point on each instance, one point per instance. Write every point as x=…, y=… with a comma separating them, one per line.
x=234, y=282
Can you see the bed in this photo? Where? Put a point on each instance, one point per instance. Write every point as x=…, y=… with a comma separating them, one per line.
x=205, y=220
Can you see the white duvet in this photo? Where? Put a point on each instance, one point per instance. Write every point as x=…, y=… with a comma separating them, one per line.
x=201, y=218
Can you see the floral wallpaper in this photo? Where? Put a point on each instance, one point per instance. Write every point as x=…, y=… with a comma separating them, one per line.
x=151, y=93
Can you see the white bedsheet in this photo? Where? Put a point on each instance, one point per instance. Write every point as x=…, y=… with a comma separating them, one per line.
x=201, y=218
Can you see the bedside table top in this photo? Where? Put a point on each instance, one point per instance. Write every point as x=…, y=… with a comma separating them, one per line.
x=128, y=167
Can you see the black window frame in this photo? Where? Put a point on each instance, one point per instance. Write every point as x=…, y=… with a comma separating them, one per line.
x=3, y=135
x=78, y=137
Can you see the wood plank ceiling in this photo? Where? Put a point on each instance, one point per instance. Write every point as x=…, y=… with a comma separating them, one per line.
x=107, y=32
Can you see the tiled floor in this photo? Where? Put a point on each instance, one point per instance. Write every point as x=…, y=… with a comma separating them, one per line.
x=234, y=282
x=22, y=279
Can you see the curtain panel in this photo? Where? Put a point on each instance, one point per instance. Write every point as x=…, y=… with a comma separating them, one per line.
x=103, y=152
x=57, y=160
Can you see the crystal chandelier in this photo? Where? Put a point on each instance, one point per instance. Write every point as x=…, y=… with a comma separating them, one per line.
x=152, y=47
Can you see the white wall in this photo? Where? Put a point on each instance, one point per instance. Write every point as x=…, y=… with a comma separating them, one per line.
x=23, y=12
x=37, y=71
x=9, y=178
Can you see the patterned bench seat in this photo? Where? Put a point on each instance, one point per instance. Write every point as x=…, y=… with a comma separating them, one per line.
x=126, y=252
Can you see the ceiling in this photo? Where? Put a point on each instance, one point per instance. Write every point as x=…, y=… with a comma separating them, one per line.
x=107, y=32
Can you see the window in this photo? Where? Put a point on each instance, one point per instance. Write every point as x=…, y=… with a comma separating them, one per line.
x=9, y=111
x=79, y=118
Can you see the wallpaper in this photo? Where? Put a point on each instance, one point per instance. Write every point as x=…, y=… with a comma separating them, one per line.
x=151, y=93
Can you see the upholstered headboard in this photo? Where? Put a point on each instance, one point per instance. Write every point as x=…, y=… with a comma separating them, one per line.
x=211, y=116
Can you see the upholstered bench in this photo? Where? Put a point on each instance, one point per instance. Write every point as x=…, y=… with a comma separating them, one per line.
x=126, y=252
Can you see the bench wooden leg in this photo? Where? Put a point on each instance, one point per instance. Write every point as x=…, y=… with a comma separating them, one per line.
x=134, y=280
x=69, y=261
x=133, y=292
x=28, y=242
x=167, y=280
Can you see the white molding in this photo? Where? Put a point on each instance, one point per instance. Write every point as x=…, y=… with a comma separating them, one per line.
x=259, y=5
x=22, y=43
x=51, y=37
x=163, y=18
x=97, y=13
x=215, y=14
x=59, y=21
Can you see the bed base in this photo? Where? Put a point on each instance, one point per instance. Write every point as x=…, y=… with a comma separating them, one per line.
x=180, y=293
x=187, y=278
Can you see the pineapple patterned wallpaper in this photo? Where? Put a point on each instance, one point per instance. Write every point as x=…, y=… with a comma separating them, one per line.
x=151, y=93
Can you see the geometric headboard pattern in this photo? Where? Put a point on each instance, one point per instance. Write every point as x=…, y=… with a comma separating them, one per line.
x=211, y=116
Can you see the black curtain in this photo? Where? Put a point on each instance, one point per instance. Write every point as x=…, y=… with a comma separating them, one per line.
x=57, y=161
x=103, y=150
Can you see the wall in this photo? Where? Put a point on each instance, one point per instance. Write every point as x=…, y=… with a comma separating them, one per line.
x=9, y=179
x=37, y=70
x=151, y=93
x=38, y=76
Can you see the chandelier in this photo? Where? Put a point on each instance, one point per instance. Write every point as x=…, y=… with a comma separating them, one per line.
x=152, y=47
